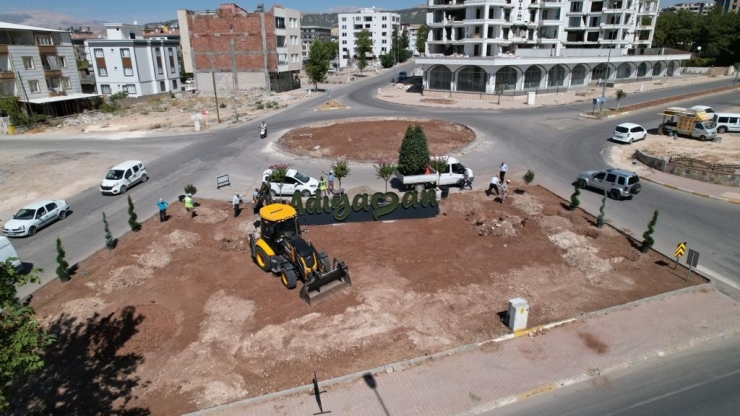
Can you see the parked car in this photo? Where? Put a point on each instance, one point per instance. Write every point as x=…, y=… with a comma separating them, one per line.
x=704, y=108
x=618, y=183
x=402, y=75
x=629, y=132
x=294, y=181
x=189, y=81
x=33, y=217
x=332, y=70
x=7, y=252
x=727, y=122
x=123, y=176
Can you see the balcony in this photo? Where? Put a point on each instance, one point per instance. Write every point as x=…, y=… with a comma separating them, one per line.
x=87, y=79
x=7, y=75
x=549, y=22
x=444, y=4
x=52, y=71
x=59, y=93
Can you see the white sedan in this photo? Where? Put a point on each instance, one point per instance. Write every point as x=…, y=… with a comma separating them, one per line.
x=36, y=216
x=629, y=132
x=294, y=181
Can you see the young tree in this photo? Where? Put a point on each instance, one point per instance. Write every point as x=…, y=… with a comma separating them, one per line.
x=439, y=164
x=364, y=47
x=341, y=170
x=135, y=226
x=62, y=265
x=528, y=177
x=384, y=170
x=319, y=57
x=620, y=94
x=647, y=236
x=387, y=60
x=190, y=189
x=421, y=39
x=109, y=241
x=413, y=156
x=574, y=201
x=600, y=221
x=279, y=172
x=21, y=338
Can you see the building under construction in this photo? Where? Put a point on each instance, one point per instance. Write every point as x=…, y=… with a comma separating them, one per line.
x=236, y=50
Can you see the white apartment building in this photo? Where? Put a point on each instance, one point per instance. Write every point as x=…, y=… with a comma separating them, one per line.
x=698, y=8
x=127, y=62
x=413, y=33
x=38, y=66
x=380, y=24
x=496, y=27
x=520, y=46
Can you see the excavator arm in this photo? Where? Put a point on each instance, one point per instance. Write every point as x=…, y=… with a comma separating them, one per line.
x=263, y=197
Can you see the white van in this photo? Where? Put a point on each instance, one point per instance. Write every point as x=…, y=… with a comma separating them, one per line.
x=727, y=122
x=704, y=108
x=7, y=251
x=122, y=177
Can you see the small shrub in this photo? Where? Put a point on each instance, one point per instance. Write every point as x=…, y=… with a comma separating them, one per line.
x=190, y=189
x=574, y=201
x=108, y=108
x=144, y=113
x=222, y=105
x=528, y=177
x=132, y=217
x=268, y=105
x=600, y=219
x=109, y=241
x=341, y=170
x=647, y=236
x=260, y=106
x=274, y=103
x=62, y=265
x=384, y=170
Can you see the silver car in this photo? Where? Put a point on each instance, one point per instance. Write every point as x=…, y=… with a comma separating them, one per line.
x=617, y=183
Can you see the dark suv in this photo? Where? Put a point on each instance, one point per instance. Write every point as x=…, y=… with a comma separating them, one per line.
x=618, y=183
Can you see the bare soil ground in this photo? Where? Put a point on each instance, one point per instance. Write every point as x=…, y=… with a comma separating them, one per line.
x=178, y=318
x=340, y=139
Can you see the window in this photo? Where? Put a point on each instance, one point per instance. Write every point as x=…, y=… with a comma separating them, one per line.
x=130, y=89
x=67, y=83
x=574, y=22
x=62, y=61
x=43, y=40
x=344, y=26
x=280, y=23
x=171, y=55
x=174, y=84
x=99, y=53
x=576, y=7
x=600, y=176
x=344, y=42
x=33, y=86
x=129, y=72
x=28, y=62
x=125, y=53
x=161, y=86
x=51, y=207
x=57, y=39
x=136, y=167
x=385, y=17
x=344, y=19
x=384, y=26
x=103, y=71
x=384, y=41
x=105, y=89
x=611, y=178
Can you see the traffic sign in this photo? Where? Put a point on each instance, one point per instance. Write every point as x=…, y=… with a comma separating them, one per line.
x=680, y=249
x=692, y=260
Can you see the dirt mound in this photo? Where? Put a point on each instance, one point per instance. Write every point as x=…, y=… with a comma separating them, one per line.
x=84, y=308
x=528, y=203
x=181, y=239
x=125, y=277
x=208, y=215
x=157, y=257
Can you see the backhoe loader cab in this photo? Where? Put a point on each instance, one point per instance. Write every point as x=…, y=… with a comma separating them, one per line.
x=280, y=249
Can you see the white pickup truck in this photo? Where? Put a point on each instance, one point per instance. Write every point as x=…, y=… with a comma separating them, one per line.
x=453, y=175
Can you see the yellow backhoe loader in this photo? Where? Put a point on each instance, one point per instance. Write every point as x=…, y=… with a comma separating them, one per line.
x=280, y=249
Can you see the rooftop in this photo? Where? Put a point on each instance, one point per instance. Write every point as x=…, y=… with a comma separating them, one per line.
x=13, y=26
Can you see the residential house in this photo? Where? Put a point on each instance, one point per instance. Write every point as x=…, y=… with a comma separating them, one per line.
x=38, y=67
x=87, y=75
x=235, y=49
x=127, y=62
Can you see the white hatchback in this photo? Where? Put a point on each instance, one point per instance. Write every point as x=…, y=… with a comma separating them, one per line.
x=629, y=132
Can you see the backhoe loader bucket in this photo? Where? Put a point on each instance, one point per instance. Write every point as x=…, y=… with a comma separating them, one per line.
x=316, y=291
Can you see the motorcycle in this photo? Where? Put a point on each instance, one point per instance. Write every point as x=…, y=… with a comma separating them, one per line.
x=263, y=132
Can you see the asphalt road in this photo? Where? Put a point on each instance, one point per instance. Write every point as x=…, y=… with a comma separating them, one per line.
x=700, y=381
x=553, y=141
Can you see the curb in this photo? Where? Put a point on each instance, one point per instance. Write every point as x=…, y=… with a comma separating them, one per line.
x=594, y=373
x=402, y=365
x=689, y=191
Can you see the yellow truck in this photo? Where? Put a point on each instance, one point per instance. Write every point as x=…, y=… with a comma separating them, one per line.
x=688, y=122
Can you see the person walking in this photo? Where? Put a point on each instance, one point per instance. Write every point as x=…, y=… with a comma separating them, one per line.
x=330, y=180
x=322, y=187
x=505, y=191
x=189, y=205
x=162, y=205
x=495, y=182
x=502, y=171
x=237, y=199
x=466, y=181
x=438, y=196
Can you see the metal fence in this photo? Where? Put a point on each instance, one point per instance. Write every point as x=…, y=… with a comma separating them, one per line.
x=700, y=164
x=549, y=90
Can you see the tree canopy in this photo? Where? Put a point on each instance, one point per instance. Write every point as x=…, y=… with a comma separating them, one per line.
x=364, y=47
x=319, y=56
x=413, y=156
x=717, y=34
x=421, y=39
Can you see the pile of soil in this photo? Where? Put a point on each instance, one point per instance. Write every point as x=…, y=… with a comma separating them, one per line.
x=179, y=318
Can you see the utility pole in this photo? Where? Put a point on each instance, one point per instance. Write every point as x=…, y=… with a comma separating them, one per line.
x=215, y=92
x=233, y=79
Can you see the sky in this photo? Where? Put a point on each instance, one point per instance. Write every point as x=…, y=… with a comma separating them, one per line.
x=145, y=11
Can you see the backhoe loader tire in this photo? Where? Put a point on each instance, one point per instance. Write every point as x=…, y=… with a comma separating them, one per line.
x=262, y=259
x=289, y=278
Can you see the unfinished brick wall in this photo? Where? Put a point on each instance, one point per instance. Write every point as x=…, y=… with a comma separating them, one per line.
x=211, y=34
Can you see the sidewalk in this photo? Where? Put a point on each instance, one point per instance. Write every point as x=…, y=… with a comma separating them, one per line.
x=705, y=189
x=397, y=94
x=483, y=377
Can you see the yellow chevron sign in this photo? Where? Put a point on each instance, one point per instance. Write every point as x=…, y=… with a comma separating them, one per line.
x=680, y=249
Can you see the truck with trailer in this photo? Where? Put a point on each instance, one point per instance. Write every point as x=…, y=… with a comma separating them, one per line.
x=453, y=175
x=679, y=121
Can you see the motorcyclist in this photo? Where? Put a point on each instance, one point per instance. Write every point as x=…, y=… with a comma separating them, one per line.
x=263, y=130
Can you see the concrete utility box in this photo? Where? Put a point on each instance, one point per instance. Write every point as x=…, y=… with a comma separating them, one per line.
x=518, y=313
x=531, y=98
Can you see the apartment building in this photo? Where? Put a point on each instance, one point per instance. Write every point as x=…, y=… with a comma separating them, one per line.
x=309, y=34
x=730, y=6
x=87, y=76
x=240, y=50
x=379, y=24
x=495, y=27
x=698, y=8
x=38, y=66
x=413, y=33
x=519, y=46
x=127, y=62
